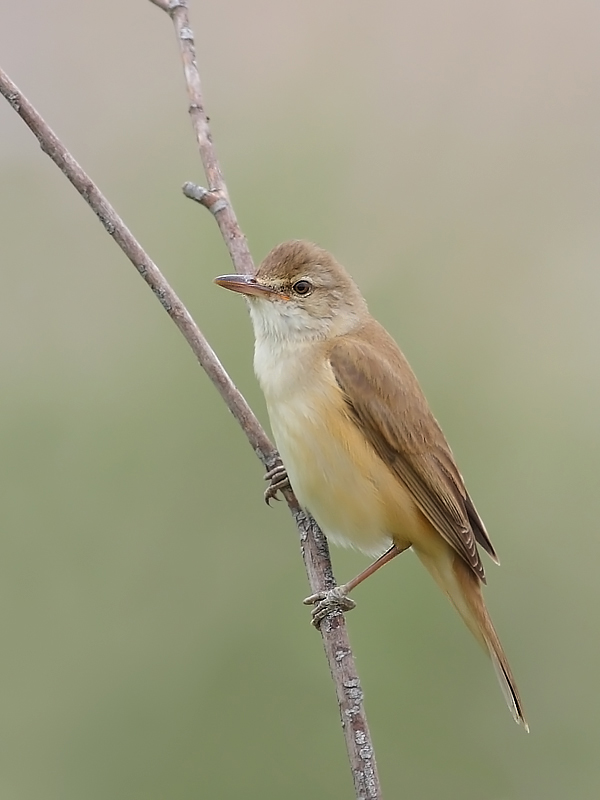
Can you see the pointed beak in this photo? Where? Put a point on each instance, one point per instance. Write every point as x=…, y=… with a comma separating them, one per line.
x=244, y=284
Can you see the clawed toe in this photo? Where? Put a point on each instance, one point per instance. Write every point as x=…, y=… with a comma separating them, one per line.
x=278, y=481
x=329, y=602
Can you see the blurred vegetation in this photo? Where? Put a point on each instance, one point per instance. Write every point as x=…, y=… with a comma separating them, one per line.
x=154, y=643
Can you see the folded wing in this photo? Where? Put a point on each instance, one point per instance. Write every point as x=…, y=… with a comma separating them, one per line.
x=396, y=419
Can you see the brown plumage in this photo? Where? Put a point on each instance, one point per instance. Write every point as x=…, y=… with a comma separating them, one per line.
x=396, y=420
x=362, y=449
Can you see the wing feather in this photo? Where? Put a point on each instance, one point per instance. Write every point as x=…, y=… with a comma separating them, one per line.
x=396, y=419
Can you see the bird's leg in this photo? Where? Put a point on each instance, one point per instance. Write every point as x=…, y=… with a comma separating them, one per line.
x=278, y=480
x=337, y=599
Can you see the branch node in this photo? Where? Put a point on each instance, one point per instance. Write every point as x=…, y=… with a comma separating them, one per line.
x=13, y=99
x=210, y=199
x=109, y=226
x=218, y=205
x=195, y=192
x=186, y=33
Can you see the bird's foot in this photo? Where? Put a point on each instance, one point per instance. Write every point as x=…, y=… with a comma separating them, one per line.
x=327, y=602
x=278, y=480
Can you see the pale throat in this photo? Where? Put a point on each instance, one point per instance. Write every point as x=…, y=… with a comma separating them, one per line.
x=283, y=350
x=289, y=342
x=283, y=323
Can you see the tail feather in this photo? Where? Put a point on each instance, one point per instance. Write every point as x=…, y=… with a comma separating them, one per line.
x=508, y=686
x=463, y=588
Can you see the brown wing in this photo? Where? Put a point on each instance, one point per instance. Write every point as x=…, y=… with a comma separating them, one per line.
x=395, y=417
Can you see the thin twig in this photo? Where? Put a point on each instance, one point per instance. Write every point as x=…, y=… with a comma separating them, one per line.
x=217, y=197
x=314, y=545
x=115, y=226
x=164, y=4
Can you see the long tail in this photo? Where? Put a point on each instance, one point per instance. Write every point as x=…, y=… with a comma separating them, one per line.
x=463, y=588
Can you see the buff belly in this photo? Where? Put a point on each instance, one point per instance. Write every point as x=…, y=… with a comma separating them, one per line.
x=338, y=477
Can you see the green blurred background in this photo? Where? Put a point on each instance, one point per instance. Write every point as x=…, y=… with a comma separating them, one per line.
x=153, y=640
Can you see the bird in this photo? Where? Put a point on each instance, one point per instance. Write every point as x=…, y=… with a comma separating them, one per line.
x=358, y=442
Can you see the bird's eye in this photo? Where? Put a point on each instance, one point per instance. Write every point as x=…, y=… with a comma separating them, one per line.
x=302, y=288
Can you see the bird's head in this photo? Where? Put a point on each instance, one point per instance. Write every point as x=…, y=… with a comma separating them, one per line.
x=299, y=292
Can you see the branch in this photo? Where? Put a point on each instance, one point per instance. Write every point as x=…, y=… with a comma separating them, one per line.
x=216, y=197
x=315, y=551
x=313, y=543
